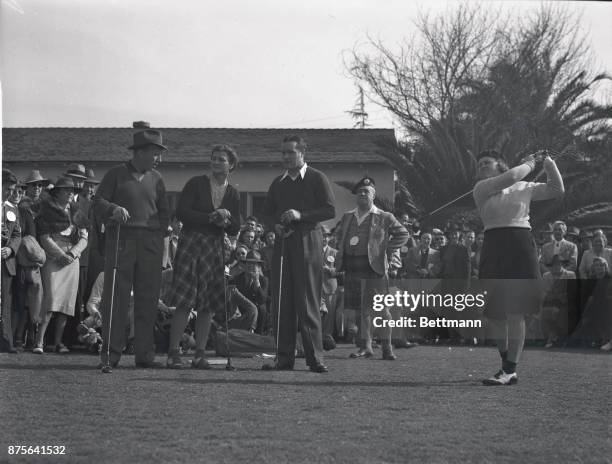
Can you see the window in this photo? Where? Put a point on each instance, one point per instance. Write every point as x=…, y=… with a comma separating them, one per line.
x=252, y=204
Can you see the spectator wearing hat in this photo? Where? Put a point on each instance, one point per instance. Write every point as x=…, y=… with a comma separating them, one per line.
x=253, y=285
x=297, y=201
x=28, y=285
x=131, y=202
x=208, y=207
x=366, y=238
x=11, y=239
x=329, y=291
x=63, y=236
x=78, y=174
x=559, y=246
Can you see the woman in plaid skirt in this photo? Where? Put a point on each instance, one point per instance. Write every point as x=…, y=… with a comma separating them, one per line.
x=207, y=207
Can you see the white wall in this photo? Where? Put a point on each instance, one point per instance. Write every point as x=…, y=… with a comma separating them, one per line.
x=251, y=178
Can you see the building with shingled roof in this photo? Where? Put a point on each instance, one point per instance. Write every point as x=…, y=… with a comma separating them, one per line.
x=342, y=154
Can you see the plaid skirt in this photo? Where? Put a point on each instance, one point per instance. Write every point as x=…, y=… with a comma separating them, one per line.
x=198, y=280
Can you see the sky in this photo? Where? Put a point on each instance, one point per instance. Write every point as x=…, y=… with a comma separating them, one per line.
x=206, y=63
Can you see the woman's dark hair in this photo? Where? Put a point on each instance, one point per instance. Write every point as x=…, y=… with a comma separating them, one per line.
x=501, y=162
x=232, y=156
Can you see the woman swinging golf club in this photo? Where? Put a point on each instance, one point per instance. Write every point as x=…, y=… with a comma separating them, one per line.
x=207, y=207
x=509, y=259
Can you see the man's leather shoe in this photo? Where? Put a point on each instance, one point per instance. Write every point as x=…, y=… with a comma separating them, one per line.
x=149, y=365
x=361, y=354
x=319, y=368
x=389, y=356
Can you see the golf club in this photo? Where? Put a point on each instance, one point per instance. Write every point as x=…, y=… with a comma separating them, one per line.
x=540, y=155
x=280, y=292
x=107, y=369
x=228, y=366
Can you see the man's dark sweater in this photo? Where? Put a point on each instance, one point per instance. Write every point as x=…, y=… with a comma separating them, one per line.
x=311, y=196
x=145, y=199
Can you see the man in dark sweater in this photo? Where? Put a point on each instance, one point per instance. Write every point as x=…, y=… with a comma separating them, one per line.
x=133, y=195
x=296, y=202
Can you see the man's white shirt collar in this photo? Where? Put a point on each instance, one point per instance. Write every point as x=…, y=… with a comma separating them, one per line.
x=360, y=219
x=301, y=173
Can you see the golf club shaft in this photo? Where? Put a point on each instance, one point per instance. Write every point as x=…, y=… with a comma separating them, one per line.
x=227, y=343
x=280, y=292
x=112, y=296
x=472, y=191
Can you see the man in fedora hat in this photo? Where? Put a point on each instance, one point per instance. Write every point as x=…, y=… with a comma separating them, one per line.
x=28, y=287
x=131, y=201
x=78, y=174
x=11, y=239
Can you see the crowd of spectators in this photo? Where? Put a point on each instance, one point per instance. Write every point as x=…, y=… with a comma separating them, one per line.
x=52, y=274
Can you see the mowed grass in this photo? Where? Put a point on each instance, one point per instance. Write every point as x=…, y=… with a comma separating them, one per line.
x=428, y=406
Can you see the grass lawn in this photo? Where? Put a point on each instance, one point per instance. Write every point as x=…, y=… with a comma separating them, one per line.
x=428, y=406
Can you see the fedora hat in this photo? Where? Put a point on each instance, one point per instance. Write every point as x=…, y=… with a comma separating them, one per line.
x=91, y=177
x=64, y=183
x=76, y=171
x=147, y=137
x=35, y=176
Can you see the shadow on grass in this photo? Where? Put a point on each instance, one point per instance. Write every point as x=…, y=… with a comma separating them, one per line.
x=48, y=367
x=323, y=383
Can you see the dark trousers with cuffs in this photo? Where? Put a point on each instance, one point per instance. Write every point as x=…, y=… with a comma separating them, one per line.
x=139, y=265
x=301, y=296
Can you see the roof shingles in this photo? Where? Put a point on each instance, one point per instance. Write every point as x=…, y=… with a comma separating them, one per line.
x=99, y=145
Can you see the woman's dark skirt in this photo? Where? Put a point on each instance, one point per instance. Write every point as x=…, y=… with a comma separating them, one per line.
x=510, y=272
x=358, y=270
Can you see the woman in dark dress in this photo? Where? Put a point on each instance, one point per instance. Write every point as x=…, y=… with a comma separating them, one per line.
x=208, y=207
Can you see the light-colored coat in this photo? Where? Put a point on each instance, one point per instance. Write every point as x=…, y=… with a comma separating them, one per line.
x=568, y=254
x=386, y=235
